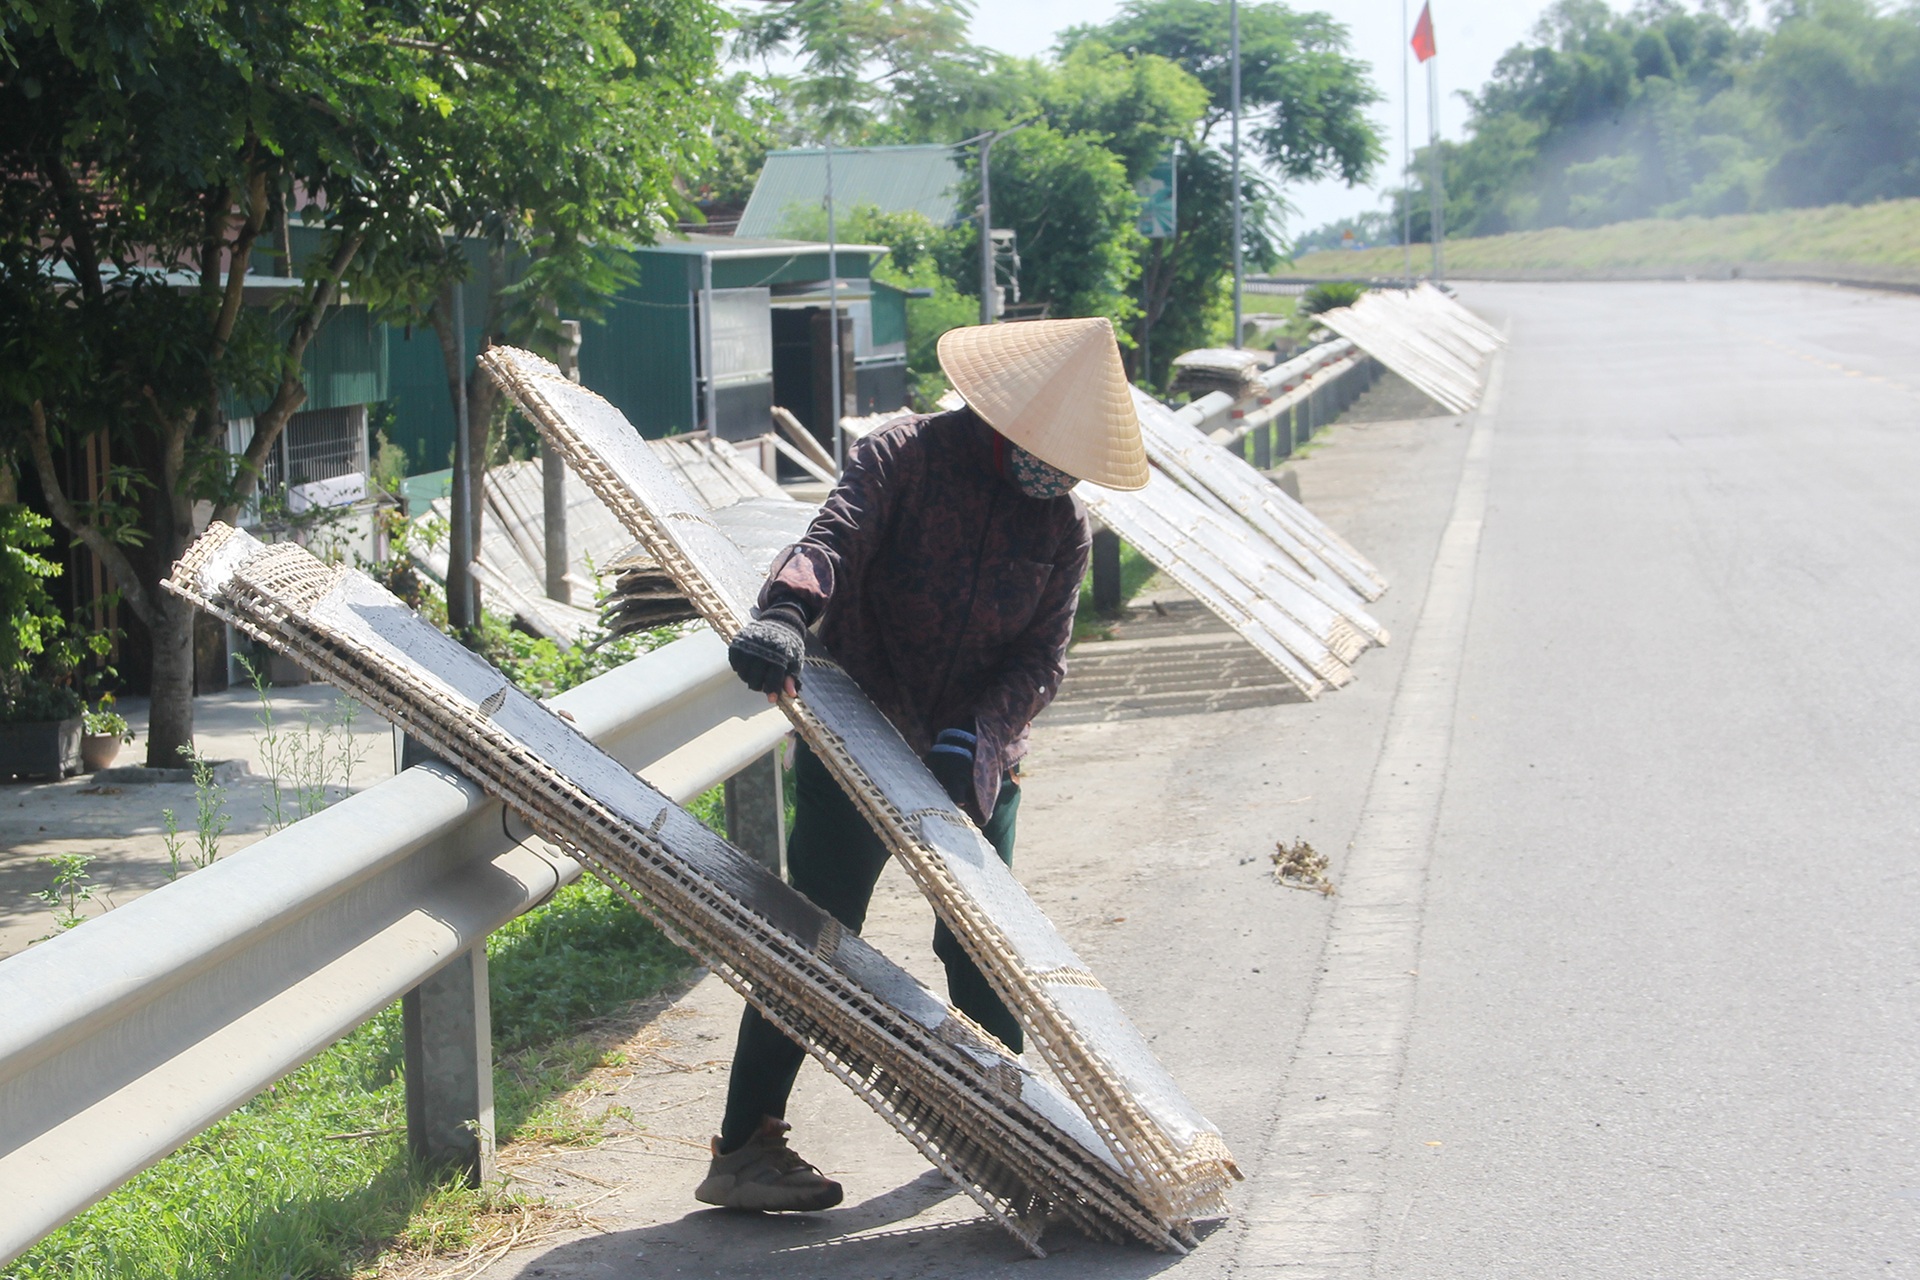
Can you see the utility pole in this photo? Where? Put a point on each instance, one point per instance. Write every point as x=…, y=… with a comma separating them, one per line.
x=1427, y=50
x=553, y=481
x=1439, y=179
x=987, y=309
x=1406, y=146
x=1239, y=231
x=463, y=605
x=833, y=314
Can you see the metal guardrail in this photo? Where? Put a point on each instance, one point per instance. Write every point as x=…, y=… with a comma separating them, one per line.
x=1297, y=397
x=122, y=1040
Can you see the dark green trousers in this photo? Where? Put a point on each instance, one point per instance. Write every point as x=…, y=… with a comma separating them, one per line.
x=835, y=858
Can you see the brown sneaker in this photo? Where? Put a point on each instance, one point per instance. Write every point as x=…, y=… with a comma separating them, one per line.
x=767, y=1175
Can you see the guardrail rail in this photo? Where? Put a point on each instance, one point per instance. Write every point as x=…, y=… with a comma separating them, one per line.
x=121, y=1040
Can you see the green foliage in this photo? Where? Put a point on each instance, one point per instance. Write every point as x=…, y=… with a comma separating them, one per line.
x=211, y=818
x=341, y=143
x=1136, y=571
x=306, y=765
x=312, y=1178
x=101, y=720
x=1885, y=234
x=852, y=58
x=1305, y=99
x=1329, y=297
x=1369, y=229
x=1303, y=95
x=71, y=888
x=41, y=653
x=1605, y=117
x=1100, y=116
x=584, y=954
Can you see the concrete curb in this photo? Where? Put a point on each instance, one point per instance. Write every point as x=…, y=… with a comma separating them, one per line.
x=134, y=775
x=1845, y=275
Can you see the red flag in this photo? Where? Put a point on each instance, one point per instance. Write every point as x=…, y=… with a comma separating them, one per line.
x=1423, y=46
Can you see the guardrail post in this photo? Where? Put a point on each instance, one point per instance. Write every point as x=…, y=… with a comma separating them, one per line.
x=1106, y=571
x=1263, y=447
x=757, y=812
x=448, y=1035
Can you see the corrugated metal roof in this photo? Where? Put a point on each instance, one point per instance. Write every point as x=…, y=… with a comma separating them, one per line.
x=794, y=183
x=747, y=246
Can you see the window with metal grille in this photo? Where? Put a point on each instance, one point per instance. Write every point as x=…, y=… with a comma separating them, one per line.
x=319, y=444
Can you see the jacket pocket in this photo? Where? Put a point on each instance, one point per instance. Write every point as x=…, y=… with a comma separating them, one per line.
x=1010, y=593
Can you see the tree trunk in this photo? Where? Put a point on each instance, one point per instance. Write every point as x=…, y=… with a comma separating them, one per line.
x=170, y=717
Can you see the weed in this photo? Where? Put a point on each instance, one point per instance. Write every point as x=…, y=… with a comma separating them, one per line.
x=1136, y=571
x=170, y=837
x=70, y=888
x=210, y=818
x=303, y=764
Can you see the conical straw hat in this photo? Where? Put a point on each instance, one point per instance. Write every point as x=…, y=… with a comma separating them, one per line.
x=1056, y=389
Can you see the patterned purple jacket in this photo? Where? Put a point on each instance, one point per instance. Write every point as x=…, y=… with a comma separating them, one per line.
x=943, y=590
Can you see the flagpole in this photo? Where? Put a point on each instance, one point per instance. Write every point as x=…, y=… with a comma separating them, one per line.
x=1438, y=180
x=1406, y=145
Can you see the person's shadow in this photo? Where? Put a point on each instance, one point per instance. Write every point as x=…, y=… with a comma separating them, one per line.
x=854, y=1242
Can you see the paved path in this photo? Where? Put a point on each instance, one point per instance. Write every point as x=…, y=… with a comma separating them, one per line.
x=121, y=827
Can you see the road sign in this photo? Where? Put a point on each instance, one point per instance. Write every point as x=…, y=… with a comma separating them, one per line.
x=1160, y=197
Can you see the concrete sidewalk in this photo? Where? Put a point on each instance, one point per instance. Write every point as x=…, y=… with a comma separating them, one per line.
x=121, y=826
x=1147, y=841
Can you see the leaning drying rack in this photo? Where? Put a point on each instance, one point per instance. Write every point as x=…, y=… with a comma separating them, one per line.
x=1001, y=1131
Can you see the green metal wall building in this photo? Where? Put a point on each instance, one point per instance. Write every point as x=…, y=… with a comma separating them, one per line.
x=713, y=331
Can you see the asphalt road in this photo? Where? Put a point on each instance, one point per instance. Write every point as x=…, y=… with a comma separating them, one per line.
x=1621, y=978
x=1667, y=1020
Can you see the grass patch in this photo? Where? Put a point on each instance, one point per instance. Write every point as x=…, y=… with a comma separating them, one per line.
x=1875, y=235
x=311, y=1179
x=1135, y=572
x=1268, y=304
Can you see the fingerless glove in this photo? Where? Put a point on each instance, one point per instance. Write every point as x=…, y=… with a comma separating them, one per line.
x=767, y=651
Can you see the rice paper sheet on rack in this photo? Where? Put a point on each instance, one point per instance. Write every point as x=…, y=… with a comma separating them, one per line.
x=1019, y=1146
x=1340, y=575
x=1174, y=1155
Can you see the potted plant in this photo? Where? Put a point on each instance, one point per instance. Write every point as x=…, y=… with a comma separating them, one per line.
x=40, y=709
x=104, y=732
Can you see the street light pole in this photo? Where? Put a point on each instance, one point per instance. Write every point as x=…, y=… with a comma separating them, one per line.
x=986, y=228
x=986, y=141
x=1239, y=236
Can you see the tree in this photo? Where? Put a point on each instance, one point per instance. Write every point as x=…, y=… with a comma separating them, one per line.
x=158, y=153
x=576, y=126
x=1304, y=100
x=1303, y=95
x=1661, y=111
x=854, y=54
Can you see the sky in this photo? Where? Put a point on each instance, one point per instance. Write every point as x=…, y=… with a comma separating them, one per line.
x=1471, y=34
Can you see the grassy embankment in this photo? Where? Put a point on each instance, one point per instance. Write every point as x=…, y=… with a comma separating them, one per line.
x=312, y=1178
x=1885, y=235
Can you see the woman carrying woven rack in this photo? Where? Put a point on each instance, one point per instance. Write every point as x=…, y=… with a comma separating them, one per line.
x=942, y=574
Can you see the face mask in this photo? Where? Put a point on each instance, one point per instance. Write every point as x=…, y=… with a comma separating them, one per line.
x=1035, y=478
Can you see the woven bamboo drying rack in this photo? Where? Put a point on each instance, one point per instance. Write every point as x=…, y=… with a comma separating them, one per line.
x=1343, y=576
x=1003, y=1133
x=1267, y=566
x=1172, y=1154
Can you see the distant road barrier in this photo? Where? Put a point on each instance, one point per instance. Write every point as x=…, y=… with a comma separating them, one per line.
x=121, y=1040
x=1296, y=398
